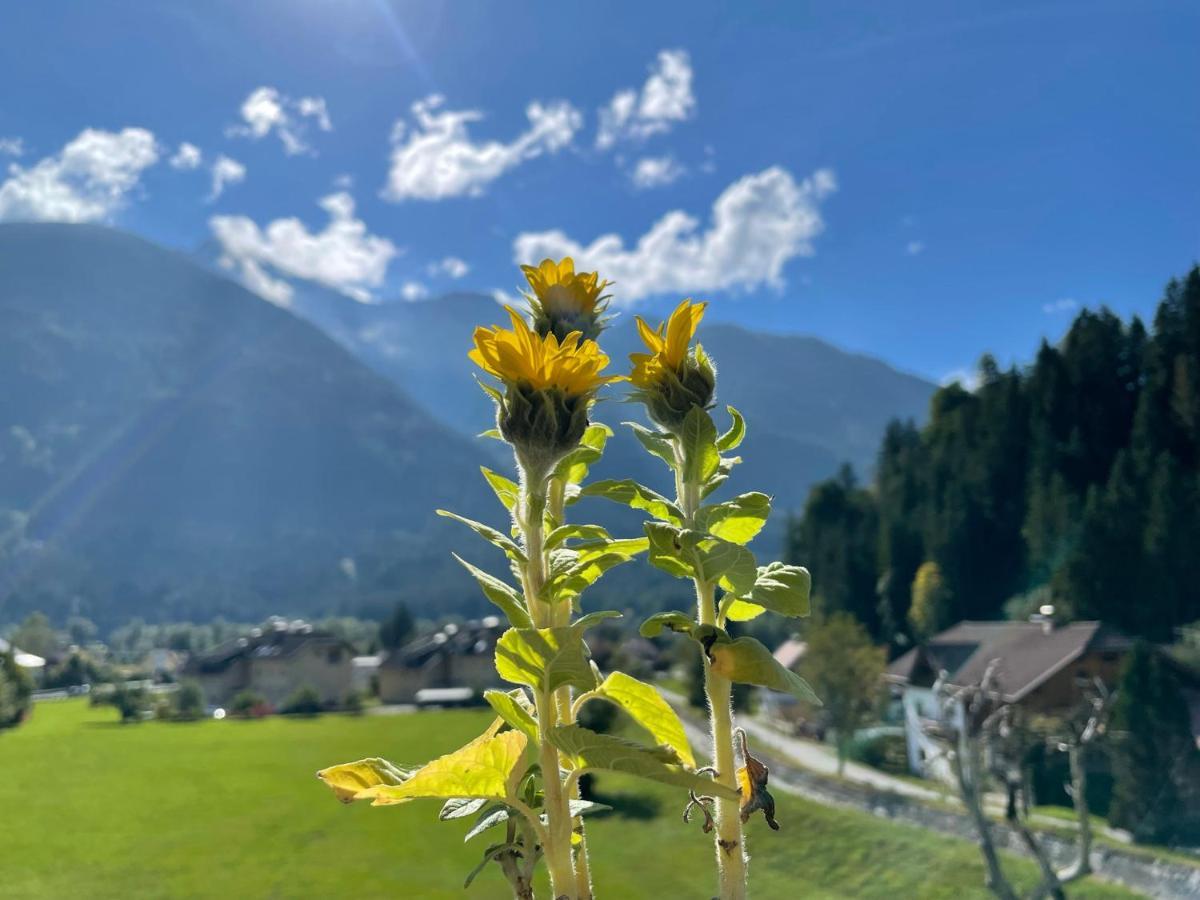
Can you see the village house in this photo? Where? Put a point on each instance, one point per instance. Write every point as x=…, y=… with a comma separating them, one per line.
x=275, y=661
x=1040, y=667
x=456, y=656
x=31, y=663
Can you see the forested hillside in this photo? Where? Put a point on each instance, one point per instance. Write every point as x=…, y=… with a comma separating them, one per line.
x=1073, y=481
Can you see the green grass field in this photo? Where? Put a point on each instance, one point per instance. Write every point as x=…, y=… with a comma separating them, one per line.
x=231, y=809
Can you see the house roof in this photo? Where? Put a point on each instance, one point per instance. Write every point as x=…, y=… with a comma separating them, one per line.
x=790, y=652
x=1027, y=653
x=279, y=639
x=20, y=657
x=472, y=638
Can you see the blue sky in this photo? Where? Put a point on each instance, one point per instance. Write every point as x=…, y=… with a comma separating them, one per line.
x=918, y=181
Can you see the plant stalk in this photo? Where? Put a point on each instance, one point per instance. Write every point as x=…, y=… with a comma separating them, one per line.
x=565, y=706
x=557, y=849
x=730, y=847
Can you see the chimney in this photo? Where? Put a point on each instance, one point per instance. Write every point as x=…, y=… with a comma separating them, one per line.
x=1044, y=616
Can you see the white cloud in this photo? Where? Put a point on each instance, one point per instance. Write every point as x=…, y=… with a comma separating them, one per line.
x=914, y=248
x=343, y=255
x=12, y=146
x=656, y=171
x=451, y=267
x=88, y=180
x=436, y=157
x=758, y=224
x=504, y=298
x=225, y=171
x=665, y=98
x=187, y=157
x=266, y=110
x=1062, y=305
x=413, y=290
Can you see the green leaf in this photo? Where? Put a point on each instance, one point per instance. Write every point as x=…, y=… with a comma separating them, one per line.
x=666, y=550
x=488, y=855
x=460, y=807
x=573, y=467
x=782, y=589
x=488, y=767
x=575, y=532
x=349, y=779
x=737, y=520
x=675, y=621
x=493, y=433
x=488, y=818
x=747, y=661
x=721, y=476
x=718, y=560
x=594, y=618
x=736, y=433
x=698, y=438
x=544, y=658
x=646, y=706
x=590, y=750
x=489, y=534
x=635, y=496
x=515, y=709
x=496, y=396
x=505, y=597
x=506, y=489
x=692, y=554
x=572, y=571
x=657, y=443
x=742, y=611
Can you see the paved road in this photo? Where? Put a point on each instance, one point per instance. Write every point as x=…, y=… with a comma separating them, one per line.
x=807, y=754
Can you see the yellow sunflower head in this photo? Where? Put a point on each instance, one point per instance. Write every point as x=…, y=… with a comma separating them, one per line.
x=549, y=385
x=563, y=300
x=672, y=377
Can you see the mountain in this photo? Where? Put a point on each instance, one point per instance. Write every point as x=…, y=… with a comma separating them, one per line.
x=173, y=446
x=810, y=406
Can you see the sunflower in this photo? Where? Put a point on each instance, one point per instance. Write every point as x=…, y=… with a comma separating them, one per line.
x=520, y=356
x=564, y=300
x=549, y=386
x=671, y=379
x=667, y=351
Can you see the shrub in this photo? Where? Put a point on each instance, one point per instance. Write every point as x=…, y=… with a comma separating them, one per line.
x=886, y=752
x=189, y=702
x=15, y=689
x=249, y=703
x=131, y=702
x=304, y=702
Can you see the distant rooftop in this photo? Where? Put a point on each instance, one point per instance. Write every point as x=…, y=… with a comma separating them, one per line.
x=1028, y=653
x=22, y=659
x=472, y=638
x=278, y=637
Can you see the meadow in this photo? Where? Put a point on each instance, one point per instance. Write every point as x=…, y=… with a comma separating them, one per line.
x=93, y=808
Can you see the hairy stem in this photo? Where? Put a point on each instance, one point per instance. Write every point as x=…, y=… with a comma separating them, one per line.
x=729, y=840
x=555, y=510
x=557, y=847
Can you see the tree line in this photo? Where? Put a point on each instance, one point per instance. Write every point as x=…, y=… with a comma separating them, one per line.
x=1073, y=481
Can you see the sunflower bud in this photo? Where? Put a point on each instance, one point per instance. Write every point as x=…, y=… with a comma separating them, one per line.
x=677, y=391
x=672, y=379
x=543, y=425
x=564, y=301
